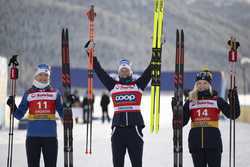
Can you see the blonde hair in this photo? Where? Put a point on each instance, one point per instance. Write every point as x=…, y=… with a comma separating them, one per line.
x=193, y=95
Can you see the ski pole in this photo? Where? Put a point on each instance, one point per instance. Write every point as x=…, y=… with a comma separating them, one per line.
x=88, y=101
x=87, y=132
x=90, y=51
x=232, y=58
x=90, y=128
x=13, y=77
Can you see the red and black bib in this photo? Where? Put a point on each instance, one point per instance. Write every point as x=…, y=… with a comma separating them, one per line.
x=42, y=104
x=204, y=113
x=126, y=98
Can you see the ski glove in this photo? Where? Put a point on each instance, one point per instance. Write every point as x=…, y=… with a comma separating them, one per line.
x=71, y=99
x=173, y=103
x=11, y=103
x=232, y=94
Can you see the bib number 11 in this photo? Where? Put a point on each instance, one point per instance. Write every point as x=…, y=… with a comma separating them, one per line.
x=42, y=104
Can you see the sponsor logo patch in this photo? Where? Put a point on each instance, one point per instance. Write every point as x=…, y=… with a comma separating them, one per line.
x=126, y=97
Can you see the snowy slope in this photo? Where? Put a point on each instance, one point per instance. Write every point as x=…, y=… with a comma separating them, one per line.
x=158, y=149
x=123, y=29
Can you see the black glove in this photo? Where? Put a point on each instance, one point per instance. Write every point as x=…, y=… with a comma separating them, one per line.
x=232, y=94
x=70, y=100
x=173, y=103
x=11, y=103
x=73, y=98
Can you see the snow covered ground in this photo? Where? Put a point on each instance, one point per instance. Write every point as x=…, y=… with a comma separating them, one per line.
x=158, y=149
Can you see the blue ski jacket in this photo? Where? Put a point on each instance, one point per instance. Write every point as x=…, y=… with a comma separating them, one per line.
x=39, y=128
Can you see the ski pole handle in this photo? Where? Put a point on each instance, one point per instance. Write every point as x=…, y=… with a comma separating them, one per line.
x=232, y=56
x=13, y=73
x=13, y=70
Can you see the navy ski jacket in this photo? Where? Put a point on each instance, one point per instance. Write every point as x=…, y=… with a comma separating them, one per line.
x=208, y=137
x=124, y=119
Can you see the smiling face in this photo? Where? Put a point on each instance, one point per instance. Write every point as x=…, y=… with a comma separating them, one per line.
x=202, y=85
x=42, y=78
x=124, y=73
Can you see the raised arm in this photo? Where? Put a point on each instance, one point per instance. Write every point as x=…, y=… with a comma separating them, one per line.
x=144, y=79
x=107, y=81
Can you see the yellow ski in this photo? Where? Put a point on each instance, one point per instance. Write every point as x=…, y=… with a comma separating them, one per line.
x=156, y=65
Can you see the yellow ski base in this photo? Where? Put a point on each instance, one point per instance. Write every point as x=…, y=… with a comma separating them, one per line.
x=156, y=45
x=157, y=109
x=152, y=109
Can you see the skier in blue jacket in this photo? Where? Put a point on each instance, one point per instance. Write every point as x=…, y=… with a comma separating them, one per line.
x=41, y=101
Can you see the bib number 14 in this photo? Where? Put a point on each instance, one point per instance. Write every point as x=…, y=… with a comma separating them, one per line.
x=202, y=113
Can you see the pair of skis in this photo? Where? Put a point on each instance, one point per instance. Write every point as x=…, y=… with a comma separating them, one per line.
x=156, y=65
x=67, y=101
x=67, y=98
x=232, y=58
x=178, y=95
x=13, y=77
x=90, y=53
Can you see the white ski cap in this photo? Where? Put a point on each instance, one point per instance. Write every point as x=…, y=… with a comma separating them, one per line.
x=125, y=64
x=42, y=68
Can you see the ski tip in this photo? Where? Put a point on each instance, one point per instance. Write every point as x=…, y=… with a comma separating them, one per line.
x=63, y=33
x=151, y=130
x=88, y=152
x=182, y=38
x=177, y=35
x=91, y=13
x=67, y=34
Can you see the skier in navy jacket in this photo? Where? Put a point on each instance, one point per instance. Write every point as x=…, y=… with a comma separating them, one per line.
x=203, y=107
x=127, y=122
x=42, y=101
